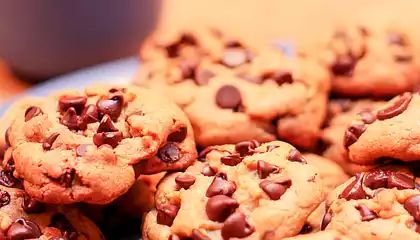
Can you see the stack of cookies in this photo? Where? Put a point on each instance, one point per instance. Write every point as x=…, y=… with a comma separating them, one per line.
x=224, y=139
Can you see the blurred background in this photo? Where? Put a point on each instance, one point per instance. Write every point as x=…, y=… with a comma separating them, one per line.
x=40, y=40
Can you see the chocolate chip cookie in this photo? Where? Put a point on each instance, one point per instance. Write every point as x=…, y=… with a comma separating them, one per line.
x=245, y=190
x=386, y=133
x=364, y=62
x=233, y=92
x=380, y=204
x=341, y=112
x=22, y=217
x=89, y=146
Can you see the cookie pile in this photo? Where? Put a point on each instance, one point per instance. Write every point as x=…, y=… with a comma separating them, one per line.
x=224, y=139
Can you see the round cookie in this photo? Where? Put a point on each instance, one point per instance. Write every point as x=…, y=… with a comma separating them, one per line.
x=22, y=217
x=341, y=112
x=245, y=190
x=331, y=173
x=233, y=92
x=380, y=204
x=89, y=146
x=368, y=62
x=386, y=133
x=324, y=235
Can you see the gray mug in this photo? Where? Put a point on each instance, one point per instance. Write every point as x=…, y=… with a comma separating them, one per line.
x=40, y=39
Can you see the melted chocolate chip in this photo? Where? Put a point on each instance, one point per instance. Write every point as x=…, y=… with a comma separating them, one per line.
x=307, y=228
x=178, y=136
x=89, y=115
x=352, y=134
x=246, y=148
x=6, y=136
x=376, y=179
x=326, y=220
x=107, y=138
x=264, y=169
x=32, y=112
x=296, y=156
x=400, y=181
x=397, y=39
x=67, y=177
x=208, y=171
x=202, y=77
x=275, y=189
x=70, y=119
x=204, y=153
x=397, y=108
x=367, y=117
x=23, y=229
x=197, y=235
x=355, y=191
x=187, y=67
x=412, y=205
x=344, y=66
x=4, y=198
x=166, y=214
x=115, y=90
x=236, y=226
x=219, y=207
x=8, y=180
x=366, y=213
x=112, y=107
x=47, y=144
x=279, y=76
x=185, y=180
x=106, y=125
x=169, y=153
x=76, y=102
x=221, y=186
x=31, y=205
x=231, y=160
x=232, y=43
x=228, y=96
x=234, y=57
x=64, y=225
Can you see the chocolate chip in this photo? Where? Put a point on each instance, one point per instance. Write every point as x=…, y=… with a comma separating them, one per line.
x=114, y=90
x=352, y=134
x=367, y=117
x=233, y=44
x=403, y=57
x=231, y=160
x=23, y=229
x=412, y=205
x=76, y=102
x=31, y=205
x=400, y=181
x=106, y=125
x=236, y=226
x=264, y=169
x=204, y=153
x=202, y=77
x=197, y=235
x=178, y=136
x=6, y=136
x=397, y=39
x=4, y=198
x=70, y=119
x=10, y=165
x=397, y=108
x=279, y=76
x=185, y=180
x=343, y=66
x=219, y=207
x=81, y=150
x=166, y=214
x=112, y=107
x=107, y=138
x=275, y=189
x=47, y=144
x=296, y=156
x=60, y=222
x=67, y=177
x=89, y=115
x=169, y=153
x=8, y=180
x=207, y=171
x=32, y=112
x=355, y=191
x=366, y=214
x=376, y=179
x=221, y=186
x=187, y=39
x=326, y=220
x=246, y=147
x=307, y=228
x=228, y=96
x=234, y=57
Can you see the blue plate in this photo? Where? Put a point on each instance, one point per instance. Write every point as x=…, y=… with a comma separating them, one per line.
x=120, y=71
